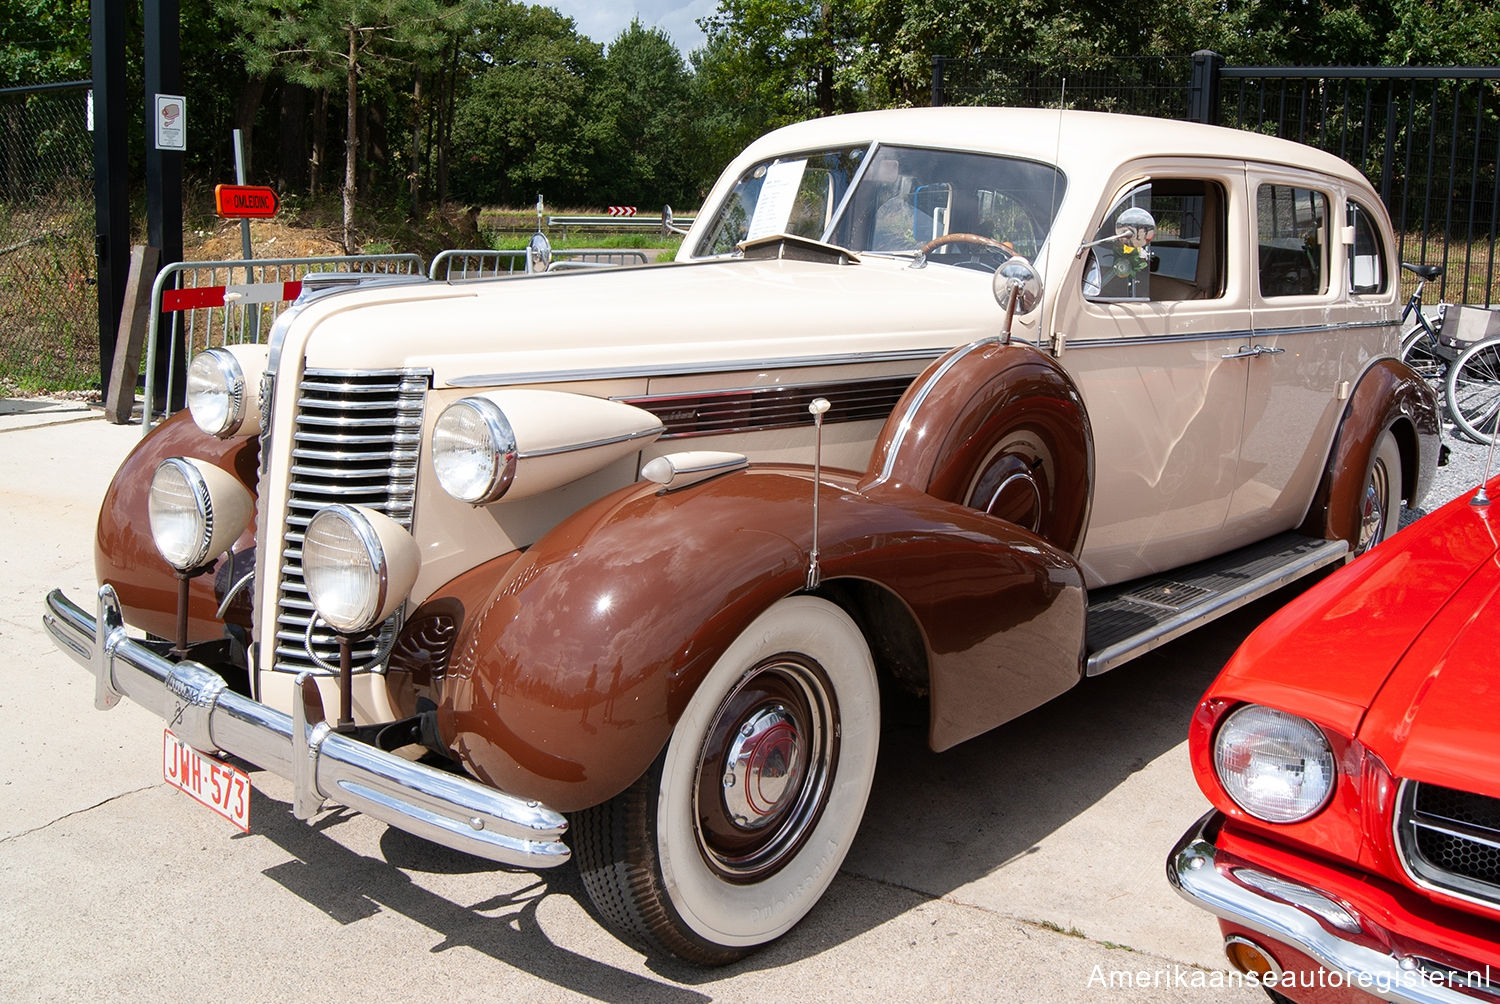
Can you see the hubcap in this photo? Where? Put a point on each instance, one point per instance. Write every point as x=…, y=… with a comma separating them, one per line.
x=1373, y=511
x=765, y=769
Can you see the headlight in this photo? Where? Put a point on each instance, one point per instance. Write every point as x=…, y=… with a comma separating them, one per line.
x=359, y=566
x=218, y=389
x=1277, y=767
x=474, y=451
x=196, y=511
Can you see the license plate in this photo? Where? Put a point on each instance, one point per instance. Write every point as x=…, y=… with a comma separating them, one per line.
x=222, y=788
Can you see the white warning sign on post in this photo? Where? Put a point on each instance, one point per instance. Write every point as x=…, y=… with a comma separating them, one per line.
x=171, y=122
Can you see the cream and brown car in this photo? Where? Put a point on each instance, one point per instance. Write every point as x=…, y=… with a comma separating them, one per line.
x=944, y=405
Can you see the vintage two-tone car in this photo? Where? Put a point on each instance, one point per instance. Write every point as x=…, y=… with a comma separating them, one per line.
x=944, y=405
x=1351, y=750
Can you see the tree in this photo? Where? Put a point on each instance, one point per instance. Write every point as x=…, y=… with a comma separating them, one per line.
x=640, y=125
x=521, y=114
x=324, y=43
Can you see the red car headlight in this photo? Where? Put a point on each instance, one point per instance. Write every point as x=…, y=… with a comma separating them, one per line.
x=1277, y=767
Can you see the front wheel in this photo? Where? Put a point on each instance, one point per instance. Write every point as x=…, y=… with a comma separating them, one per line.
x=741, y=824
x=1473, y=390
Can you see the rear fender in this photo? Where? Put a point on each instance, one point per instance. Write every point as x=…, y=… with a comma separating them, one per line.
x=566, y=680
x=1388, y=396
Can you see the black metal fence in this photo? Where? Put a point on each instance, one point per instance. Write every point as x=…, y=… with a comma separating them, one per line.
x=1428, y=138
x=49, y=323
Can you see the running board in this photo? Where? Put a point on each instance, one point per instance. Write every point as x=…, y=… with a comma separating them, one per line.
x=1132, y=618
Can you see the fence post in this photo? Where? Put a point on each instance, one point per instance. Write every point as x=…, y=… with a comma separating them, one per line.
x=938, y=63
x=1203, y=90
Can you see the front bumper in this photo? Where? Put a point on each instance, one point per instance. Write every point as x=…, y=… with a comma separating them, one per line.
x=1345, y=943
x=201, y=710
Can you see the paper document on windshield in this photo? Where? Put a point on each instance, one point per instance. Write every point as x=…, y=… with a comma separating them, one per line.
x=777, y=194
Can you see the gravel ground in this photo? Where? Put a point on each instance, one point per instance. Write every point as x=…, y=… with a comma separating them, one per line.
x=1465, y=468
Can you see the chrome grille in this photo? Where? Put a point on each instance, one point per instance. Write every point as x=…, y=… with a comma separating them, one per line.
x=1450, y=839
x=356, y=440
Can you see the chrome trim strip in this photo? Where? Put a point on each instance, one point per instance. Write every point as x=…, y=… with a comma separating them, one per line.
x=578, y=447
x=692, y=369
x=1243, y=334
x=922, y=394
x=1220, y=604
x=1193, y=870
x=445, y=808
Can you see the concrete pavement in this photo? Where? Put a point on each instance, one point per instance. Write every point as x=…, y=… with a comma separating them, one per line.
x=1025, y=864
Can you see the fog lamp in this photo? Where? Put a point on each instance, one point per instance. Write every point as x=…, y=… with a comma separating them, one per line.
x=359, y=566
x=196, y=510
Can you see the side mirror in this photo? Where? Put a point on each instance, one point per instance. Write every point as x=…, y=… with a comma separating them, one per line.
x=1018, y=289
x=538, y=253
x=1136, y=227
x=667, y=226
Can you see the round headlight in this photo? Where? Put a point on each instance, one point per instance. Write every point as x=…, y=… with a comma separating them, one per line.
x=474, y=451
x=219, y=385
x=196, y=511
x=216, y=392
x=359, y=566
x=1277, y=767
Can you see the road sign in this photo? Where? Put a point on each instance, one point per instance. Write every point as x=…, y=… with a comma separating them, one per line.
x=622, y=210
x=245, y=202
x=171, y=122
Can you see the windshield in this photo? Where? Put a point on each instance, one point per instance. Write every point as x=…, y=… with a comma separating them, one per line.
x=964, y=208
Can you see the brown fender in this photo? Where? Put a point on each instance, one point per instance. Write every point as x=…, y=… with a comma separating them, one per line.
x=1000, y=428
x=1388, y=396
x=566, y=680
x=124, y=555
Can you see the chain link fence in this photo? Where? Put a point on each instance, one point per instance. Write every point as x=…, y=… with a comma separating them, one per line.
x=49, y=323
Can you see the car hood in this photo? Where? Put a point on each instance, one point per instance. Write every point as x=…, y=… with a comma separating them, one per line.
x=1437, y=718
x=655, y=319
x=1402, y=627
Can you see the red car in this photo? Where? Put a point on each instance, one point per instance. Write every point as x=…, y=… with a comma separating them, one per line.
x=1351, y=750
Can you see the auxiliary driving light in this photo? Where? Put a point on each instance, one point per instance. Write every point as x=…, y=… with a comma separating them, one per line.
x=359, y=566
x=197, y=511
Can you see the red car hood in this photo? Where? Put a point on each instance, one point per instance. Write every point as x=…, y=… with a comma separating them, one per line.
x=1403, y=634
x=1437, y=718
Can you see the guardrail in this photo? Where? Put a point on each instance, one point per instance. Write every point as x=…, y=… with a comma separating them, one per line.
x=460, y=264
x=215, y=303
x=615, y=222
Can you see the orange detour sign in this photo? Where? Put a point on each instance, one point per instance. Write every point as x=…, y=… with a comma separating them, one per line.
x=245, y=202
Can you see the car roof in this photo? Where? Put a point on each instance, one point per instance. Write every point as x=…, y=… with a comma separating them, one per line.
x=1068, y=138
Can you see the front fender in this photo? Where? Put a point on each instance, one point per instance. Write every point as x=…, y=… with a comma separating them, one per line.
x=568, y=678
x=1391, y=396
x=125, y=556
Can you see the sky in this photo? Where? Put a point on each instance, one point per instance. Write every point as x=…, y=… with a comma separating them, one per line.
x=603, y=20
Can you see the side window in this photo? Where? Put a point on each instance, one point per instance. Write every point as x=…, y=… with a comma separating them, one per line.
x=1186, y=261
x=1368, y=269
x=1292, y=224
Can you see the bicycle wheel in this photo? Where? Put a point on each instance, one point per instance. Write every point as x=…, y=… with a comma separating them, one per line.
x=1473, y=390
x=1420, y=350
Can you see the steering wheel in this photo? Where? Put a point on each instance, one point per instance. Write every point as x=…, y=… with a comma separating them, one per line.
x=961, y=238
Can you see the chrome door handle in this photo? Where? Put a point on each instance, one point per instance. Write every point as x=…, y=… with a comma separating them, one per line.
x=1248, y=351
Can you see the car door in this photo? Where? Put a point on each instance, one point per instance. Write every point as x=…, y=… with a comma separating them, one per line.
x=1312, y=335
x=1152, y=341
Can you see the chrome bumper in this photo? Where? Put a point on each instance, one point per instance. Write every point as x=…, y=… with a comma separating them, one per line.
x=1193, y=869
x=203, y=712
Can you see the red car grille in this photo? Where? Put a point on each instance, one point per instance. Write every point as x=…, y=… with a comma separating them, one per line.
x=1450, y=839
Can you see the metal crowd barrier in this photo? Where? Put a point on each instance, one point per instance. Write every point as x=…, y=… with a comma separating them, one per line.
x=216, y=303
x=461, y=264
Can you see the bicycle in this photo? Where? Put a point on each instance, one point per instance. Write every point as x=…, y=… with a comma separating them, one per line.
x=1472, y=390
x=1421, y=349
